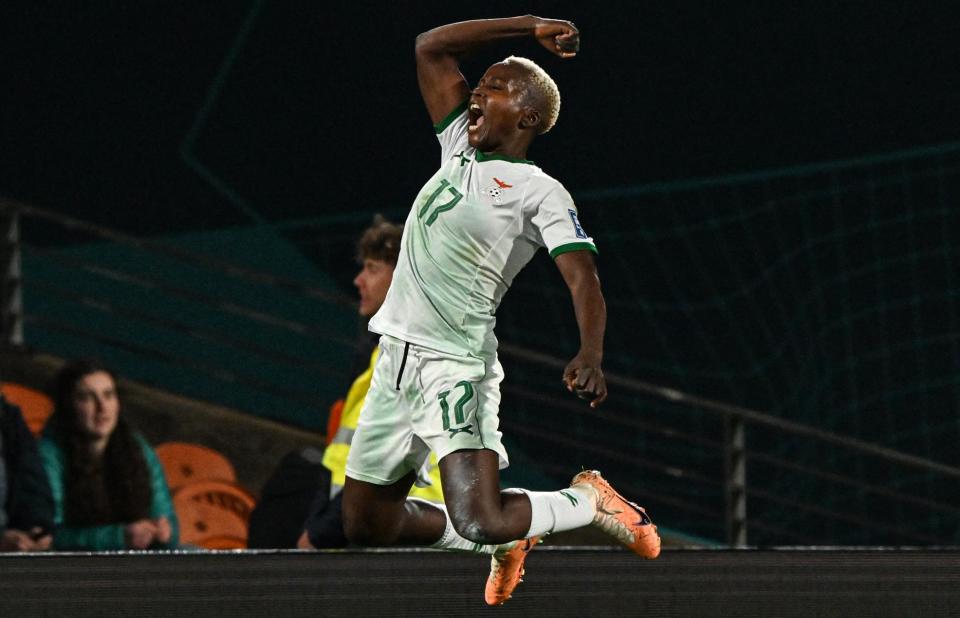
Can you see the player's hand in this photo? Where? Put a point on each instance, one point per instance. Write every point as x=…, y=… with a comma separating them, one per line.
x=584, y=378
x=560, y=37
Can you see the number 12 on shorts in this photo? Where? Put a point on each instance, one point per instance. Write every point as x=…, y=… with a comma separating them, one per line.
x=457, y=196
x=458, y=414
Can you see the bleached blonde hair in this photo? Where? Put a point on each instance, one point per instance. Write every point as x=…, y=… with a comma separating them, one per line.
x=544, y=89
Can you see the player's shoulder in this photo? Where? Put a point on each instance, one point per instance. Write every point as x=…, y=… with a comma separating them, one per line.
x=542, y=185
x=541, y=177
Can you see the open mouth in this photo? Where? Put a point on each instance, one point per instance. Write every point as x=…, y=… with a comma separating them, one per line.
x=476, y=117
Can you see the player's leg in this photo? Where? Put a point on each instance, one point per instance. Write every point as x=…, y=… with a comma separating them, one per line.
x=481, y=512
x=383, y=460
x=382, y=515
x=459, y=419
x=478, y=509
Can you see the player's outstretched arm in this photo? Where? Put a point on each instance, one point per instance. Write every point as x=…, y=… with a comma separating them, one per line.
x=439, y=51
x=583, y=374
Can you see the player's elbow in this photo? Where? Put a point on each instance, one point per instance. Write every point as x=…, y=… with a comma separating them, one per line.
x=430, y=45
x=425, y=43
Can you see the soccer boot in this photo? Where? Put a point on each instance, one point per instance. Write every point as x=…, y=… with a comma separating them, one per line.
x=506, y=570
x=619, y=517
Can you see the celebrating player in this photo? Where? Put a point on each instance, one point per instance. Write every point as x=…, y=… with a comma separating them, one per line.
x=474, y=225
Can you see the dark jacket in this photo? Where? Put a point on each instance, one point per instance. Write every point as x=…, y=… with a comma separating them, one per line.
x=29, y=501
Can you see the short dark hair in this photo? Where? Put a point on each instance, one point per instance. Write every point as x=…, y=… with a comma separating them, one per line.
x=380, y=241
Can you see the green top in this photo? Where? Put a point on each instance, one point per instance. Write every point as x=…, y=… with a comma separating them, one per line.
x=110, y=536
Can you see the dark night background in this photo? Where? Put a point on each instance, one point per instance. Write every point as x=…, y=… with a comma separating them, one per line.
x=319, y=112
x=829, y=297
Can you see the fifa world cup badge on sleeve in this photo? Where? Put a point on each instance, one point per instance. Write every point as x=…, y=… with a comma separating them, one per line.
x=576, y=224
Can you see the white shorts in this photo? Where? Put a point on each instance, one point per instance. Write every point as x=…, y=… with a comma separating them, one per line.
x=423, y=400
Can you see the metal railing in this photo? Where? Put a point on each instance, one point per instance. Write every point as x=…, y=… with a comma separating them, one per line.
x=735, y=453
x=11, y=293
x=715, y=468
x=216, y=322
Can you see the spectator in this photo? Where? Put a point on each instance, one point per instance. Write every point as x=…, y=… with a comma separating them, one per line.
x=26, y=505
x=378, y=250
x=108, y=486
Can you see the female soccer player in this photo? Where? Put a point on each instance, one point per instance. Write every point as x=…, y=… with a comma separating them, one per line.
x=473, y=226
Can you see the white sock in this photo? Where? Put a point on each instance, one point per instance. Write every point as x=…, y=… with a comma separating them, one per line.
x=556, y=511
x=452, y=541
x=550, y=511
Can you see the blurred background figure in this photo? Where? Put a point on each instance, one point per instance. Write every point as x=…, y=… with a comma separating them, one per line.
x=295, y=491
x=108, y=486
x=377, y=252
x=26, y=505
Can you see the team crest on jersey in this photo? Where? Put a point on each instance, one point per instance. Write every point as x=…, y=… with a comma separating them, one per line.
x=576, y=224
x=497, y=192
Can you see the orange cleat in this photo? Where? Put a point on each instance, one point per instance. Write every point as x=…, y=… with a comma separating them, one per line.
x=506, y=571
x=619, y=517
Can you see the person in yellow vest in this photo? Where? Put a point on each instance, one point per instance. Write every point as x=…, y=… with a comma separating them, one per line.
x=378, y=250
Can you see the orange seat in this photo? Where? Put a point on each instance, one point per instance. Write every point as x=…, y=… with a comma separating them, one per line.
x=184, y=463
x=225, y=542
x=213, y=514
x=35, y=405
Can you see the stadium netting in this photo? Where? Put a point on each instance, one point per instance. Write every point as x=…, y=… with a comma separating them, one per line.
x=826, y=294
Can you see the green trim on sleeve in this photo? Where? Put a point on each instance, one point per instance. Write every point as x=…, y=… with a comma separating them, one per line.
x=441, y=126
x=573, y=246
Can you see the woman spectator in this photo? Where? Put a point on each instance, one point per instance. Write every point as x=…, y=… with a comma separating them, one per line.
x=108, y=486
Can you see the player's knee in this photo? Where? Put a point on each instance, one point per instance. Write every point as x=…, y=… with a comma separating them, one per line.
x=479, y=529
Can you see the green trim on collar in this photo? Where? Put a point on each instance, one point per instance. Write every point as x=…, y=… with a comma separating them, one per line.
x=573, y=246
x=441, y=126
x=499, y=157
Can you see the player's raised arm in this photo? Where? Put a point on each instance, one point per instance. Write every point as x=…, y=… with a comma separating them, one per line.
x=439, y=51
x=583, y=374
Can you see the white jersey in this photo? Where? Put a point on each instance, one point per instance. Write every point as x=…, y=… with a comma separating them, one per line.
x=473, y=227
